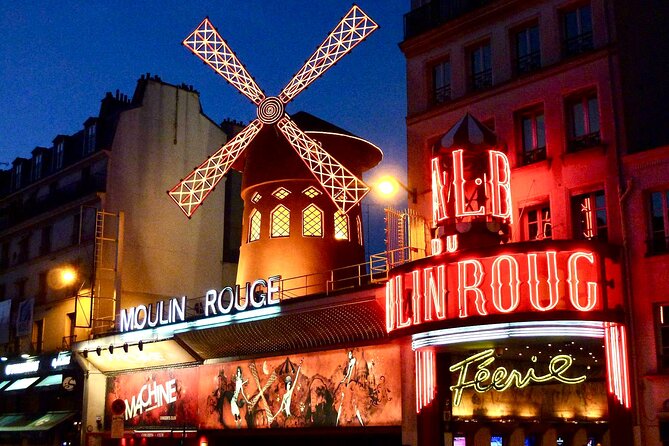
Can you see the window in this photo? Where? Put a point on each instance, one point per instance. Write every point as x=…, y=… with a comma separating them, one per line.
x=89, y=142
x=538, y=223
x=659, y=223
x=45, y=245
x=21, y=287
x=38, y=336
x=281, y=193
x=480, y=66
x=662, y=322
x=254, y=226
x=24, y=248
x=312, y=221
x=256, y=197
x=341, y=225
x=37, y=166
x=359, y=227
x=17, y=176
x=583, y=115
x=4, y=256
x=280, y=222
x=311, y=192
x=76, y=228
x=577, y=31
x=42, y=287
x=589, y=214
x=59, y=156
x=528, y=54
x=533, y=136
x=441, y=82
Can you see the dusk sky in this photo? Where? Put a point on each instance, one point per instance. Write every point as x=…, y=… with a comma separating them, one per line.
x=59, y=59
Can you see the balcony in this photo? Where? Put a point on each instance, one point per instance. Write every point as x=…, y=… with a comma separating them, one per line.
x=583, y=142
x=441, y=94
x=435, y=13
x=659, y=244
x=528, y=63
x=481, y=80
x=576, y=45
x=534, y=155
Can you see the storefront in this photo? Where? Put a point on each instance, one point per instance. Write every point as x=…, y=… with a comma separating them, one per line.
x=41, y=400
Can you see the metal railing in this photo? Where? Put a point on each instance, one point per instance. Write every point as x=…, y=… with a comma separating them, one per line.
x=657, y=245
x=583, y=142
x=442, y=94
x=577, y=44
x=529, y=62
x=534, y=155
x=482, y=79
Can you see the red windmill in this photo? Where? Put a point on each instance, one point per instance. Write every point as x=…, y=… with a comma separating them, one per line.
x=271, y=170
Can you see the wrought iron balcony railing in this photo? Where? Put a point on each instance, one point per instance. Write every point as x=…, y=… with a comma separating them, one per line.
x=528, y=63
x=576, y=45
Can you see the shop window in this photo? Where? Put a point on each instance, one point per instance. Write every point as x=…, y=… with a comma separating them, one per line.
x=280, y=222
x=341, y=225
x=312, y=221
x=441, y=82
x=480, y=66
x=532, y=132
x=256, y=198
x=38, y=336
x=658, y=242
x=311, y=192
x=589, y=216
x=577, y=30
x=538, y=223
x=527, y=52
x=281, y=193
x=254, y=226
x=583, y=119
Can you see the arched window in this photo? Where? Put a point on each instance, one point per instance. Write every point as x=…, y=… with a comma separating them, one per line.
x=340, y=225
x=280, y=221
x=312, y=221
x=254, y=226
x=359, y=224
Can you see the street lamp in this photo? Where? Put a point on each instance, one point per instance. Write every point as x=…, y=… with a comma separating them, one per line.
x=62, y=277
x=388, y=185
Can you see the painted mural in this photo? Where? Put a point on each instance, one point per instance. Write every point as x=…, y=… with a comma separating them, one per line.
x=348, y=387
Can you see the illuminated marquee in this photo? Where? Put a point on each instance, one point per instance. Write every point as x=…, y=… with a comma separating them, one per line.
x=506, y=283
x=151, y=396
x=226, y=301
x=501, y=379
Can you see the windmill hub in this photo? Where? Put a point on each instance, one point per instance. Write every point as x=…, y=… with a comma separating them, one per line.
x=270, y=110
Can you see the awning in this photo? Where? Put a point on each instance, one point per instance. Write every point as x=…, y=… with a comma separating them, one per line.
x=21, y=422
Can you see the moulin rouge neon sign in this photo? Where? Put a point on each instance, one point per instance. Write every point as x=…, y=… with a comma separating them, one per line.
x=502, y=379
x=500, y=284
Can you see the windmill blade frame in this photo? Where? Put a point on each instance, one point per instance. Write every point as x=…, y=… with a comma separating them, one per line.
x=189, y=193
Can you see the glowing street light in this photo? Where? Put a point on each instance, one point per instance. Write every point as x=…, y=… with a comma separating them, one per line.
x=388, y=186
x=62, y=277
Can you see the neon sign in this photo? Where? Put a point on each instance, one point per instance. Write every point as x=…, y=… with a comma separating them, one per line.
x=501, y=284
x=501, y=379
x=229, y=299
x=151, y=396
x=21, y=368
x=488, y=196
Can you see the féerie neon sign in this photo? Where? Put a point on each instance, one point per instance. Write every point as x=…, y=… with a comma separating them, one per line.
x=502, y=379
x=500, y=284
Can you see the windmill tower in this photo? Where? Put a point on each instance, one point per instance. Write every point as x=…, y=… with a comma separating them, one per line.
x=301, y=189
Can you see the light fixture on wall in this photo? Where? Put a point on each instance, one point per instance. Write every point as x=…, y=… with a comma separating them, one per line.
x=388, y=186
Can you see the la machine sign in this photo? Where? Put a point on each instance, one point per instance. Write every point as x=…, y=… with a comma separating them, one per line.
x=229, y=300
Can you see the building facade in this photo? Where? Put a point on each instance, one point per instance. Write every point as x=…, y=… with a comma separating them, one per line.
x=570, y=89
x=82, y=234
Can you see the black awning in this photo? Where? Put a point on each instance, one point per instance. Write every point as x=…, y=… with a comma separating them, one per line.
x=21, y=422
x=305, y=325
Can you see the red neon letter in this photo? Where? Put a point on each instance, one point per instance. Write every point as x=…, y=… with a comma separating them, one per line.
x=459, y=183
x=573, y=282
x=390, y=305
x=500, y=185
x=552, y=281
x=416, y=295
x=437, y=246
x=463, y=287
x=452, y=243
x=402, y=309
x=435, y=292
x=439, y=200
x=496, y=284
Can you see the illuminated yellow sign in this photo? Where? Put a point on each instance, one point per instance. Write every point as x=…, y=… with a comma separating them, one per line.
x=501, y=379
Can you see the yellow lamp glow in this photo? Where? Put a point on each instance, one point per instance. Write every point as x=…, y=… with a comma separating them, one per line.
x=68, y=276
x=387, y=185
